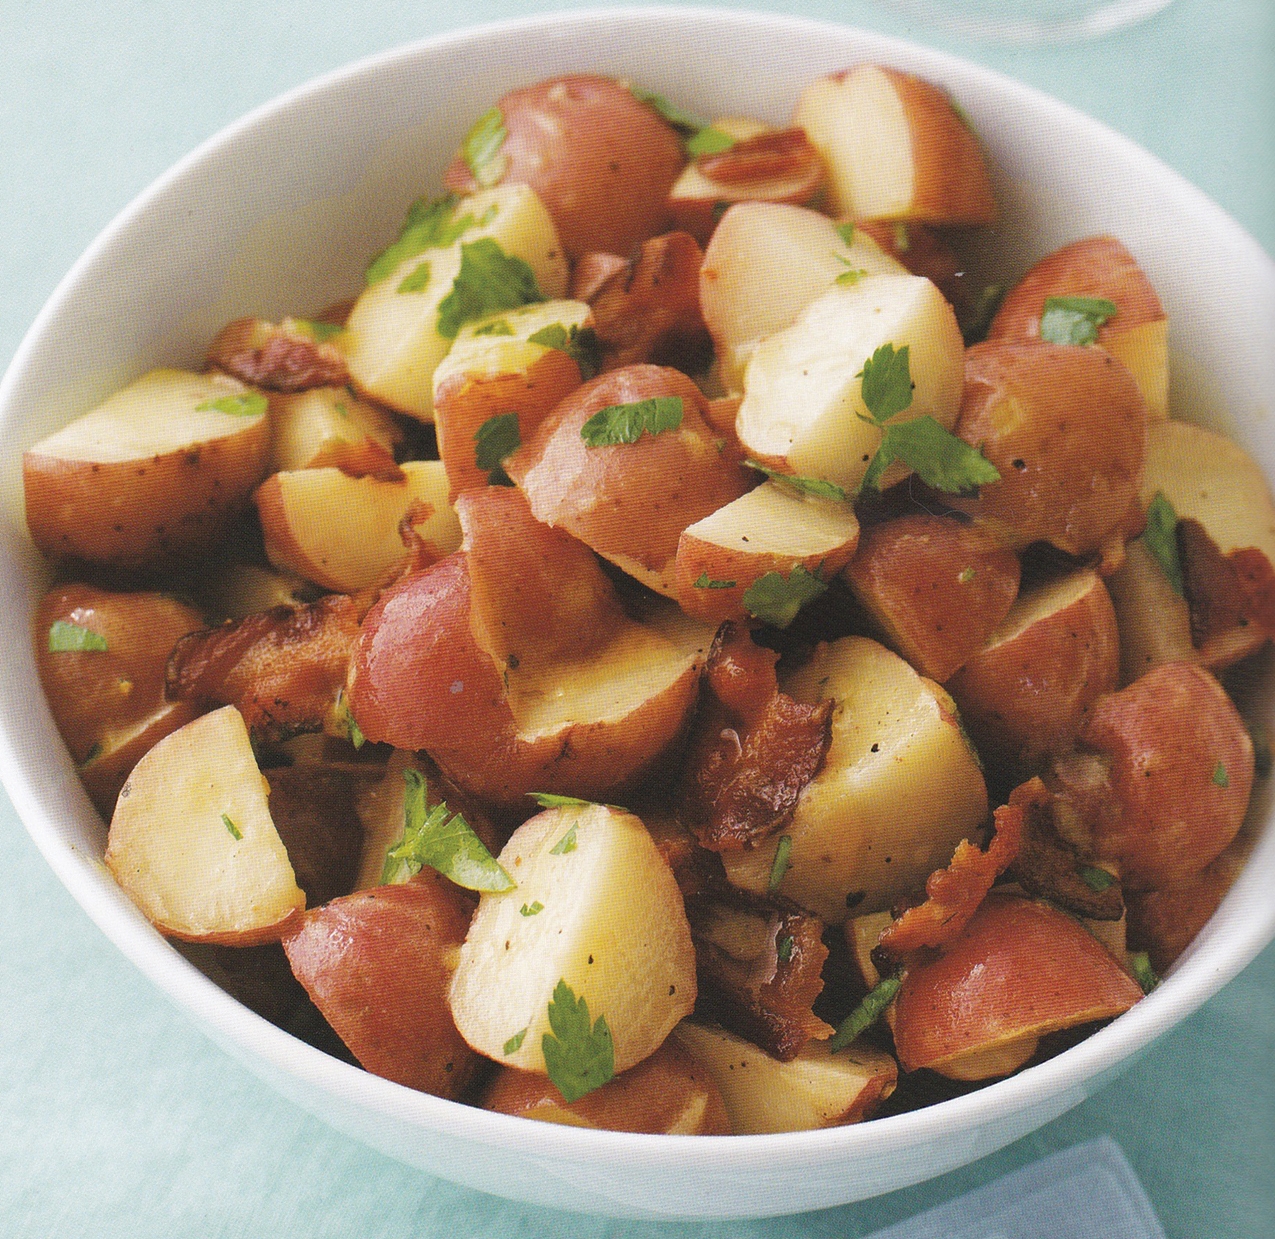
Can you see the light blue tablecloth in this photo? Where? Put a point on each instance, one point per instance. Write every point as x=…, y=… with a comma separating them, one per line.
x=117, y=1117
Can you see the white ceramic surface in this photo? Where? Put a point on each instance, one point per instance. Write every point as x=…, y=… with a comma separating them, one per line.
x=280, y=212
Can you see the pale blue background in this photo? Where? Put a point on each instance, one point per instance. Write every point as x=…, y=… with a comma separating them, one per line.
x=117, y=1117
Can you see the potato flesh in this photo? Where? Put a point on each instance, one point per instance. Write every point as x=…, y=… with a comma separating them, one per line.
x=172, y=851
x=612, y=926
x=304, y=426
x=899, y=789
x=816, y=1089
x=391, y=341
x=802, y=401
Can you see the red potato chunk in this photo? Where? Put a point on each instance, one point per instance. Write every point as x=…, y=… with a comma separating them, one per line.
x=601, y=161
x=376, y=964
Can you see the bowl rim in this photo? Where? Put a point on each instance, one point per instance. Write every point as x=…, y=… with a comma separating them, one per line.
x=250, y=1036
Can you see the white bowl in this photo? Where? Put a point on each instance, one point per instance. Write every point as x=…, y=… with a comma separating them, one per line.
x=280, y=212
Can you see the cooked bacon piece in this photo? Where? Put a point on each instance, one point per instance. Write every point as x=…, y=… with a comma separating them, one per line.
x=277, y=356
x=698, y=871
x=1050, y=866
x=284, y=669
x=647, y=309
x=953, y=895
x=754, y=748
x=782, y=155
x=760, y=965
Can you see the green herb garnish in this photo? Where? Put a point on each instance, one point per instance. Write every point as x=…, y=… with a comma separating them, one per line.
x=581, y=344
x=681, y=120
x=579, y=1054
x=624, y=423
x=250, y=404
x=551, y=800
x=355, y=732
x=430, y=224
x=235, y=832
x=865, y=1014
x=846, y=233
x=1074, y=320
x=807, y=486
x=936, y=455
x=965, y=576
x=709, y=141
x=775, y=599
x=489, y=280
x=566, y=844
x=1143, y=973
x=1161, y=538
x=514, y=1044
x=68, y=638
x=1097, y=880
x=442, y=840
x=783, y=850
x=783, y=948
x=481, y=148
x=1220, y=777
x=704, y=581
x=531, y=909
x=497, y=327
x=417, y=281
x=496, y=439
x=887, y=383
x=320, y=332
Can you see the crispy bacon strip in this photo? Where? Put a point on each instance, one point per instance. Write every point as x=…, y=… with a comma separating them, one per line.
x=647, y=309
x=954, y=894
x=760, y=969
x=754, y=748
x=276, y=356
x=283, y=668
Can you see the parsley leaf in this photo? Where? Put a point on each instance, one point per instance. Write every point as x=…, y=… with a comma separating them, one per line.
x=709, y=141
x=531, y=909
x=775, y=599
x=566, y=844
x=579, y=1054
x=317, y=330
x=887, y=383
x=848, y=279
x=807, y=486
x=1220, y=777
x=779, y=866
x=1143, y=973
x=514, y=1044
x=624, y=423
x=481, y=148
x=442, y=840
x=681, y=120
x=494, y=440
x=250, y=404
x=497, y=327
x=1095, y=879
x=551, y=800
x=581, y=344
x=235, y=832
x=489, y=280
x=68, y=638
x=846, y=233
x=783, y=948
x=417, y=281
x=704, y=581
x=939, y=458
x=429, y=225
x=1074, y=320
x=1161, y=538
x=865, y=1014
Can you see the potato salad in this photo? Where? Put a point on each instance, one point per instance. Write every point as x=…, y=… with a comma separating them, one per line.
x=671, y=652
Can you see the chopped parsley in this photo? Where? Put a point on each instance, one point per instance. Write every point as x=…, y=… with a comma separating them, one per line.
x=581, y=344
x=709, y=141
x=566, y=844
x=579, y=1053
x=250, y=404
x=775, y=599
x=235, y=832
x=1097, y=880
x=355, y=732
x=1161, y=538
x=683, y=121
x=489, y=280
x=514, y=1044
x=1074, y=320
x=496, y=439
x=936, y=455
x=417, y=281
x=779, y=867
x=966, y=575
x=846, y=233
x=318, y=331
x=871, y=1009
x=530, y=909
x=887, y=383
x=852, y=275
x=1220, y=777
x=551, y=800
x=1143, y=973
x=67, y=638
x=430, y=224
x=625, y=423
x=481, y=148
x=783, y=948
x=704, y=581
x=807, y=486
x=442, y=840
x=497, y=327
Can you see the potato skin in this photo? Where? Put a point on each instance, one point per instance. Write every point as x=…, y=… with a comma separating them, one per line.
x=602, y=162
x=669, y=1093
x=1181, y=770
x=1066, y=428
x=376, y=964
x=112, y=700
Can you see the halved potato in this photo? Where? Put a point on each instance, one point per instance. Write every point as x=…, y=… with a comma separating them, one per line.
x=771, y=529
x=803, y=409
x=329, y=426
x=765, y=264
x=151, y=475
x=192, y=842
x=895, y=148
x=343, y=532
x=597, y=907
x=392, y=342
x=1153, y=619
x=899, y=789
x=815, y=1089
